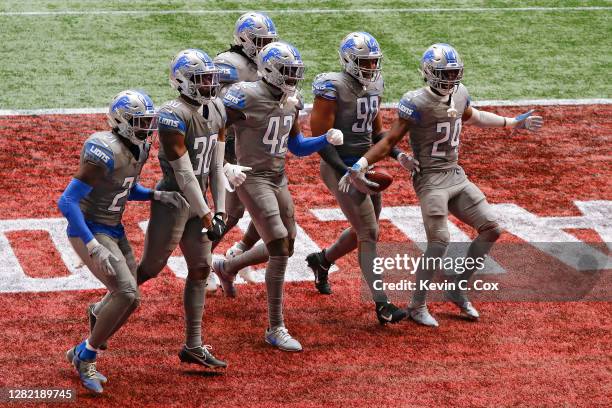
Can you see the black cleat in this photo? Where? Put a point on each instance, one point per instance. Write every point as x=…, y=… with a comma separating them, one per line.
x=92, y=323
x=389, y=313
x=201, y=356
x=315, y=262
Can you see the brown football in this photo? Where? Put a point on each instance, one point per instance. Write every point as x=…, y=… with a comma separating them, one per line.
x=380, y=177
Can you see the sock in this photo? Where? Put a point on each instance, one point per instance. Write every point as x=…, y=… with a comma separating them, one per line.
x=346, y=242
x=99, y=305
x=86, y=352
x=242, y=246
x=275, y=279
x=118, y=307
x=367, y=253
x=193, y=302
x=254, y=256
x=434, y=250
x=479, y=248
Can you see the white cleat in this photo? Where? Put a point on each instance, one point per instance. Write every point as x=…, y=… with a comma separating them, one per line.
x=227, y=281
x=421, y=315
x=247, y=274
x=459, y=299
x=212, y=283
x=469, y=311
x=280, y=338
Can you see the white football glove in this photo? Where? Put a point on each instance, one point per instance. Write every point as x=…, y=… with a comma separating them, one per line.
x=101, y=258
x=356, y=176
x=171, y=198
x=409, y=163
x=334, y=137
x=528, y=121
x=235, y=173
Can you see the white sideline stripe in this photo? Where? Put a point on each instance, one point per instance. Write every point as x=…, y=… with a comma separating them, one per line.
x=308, y=106
x=305, y=11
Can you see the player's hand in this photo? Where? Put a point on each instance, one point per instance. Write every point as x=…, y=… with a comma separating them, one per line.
x=409, y=163
x=101, y=258
x=528, y=121
x=334, y=137
x=235, y=173
x=171, y=198
x=356, y=176
x=217, y=229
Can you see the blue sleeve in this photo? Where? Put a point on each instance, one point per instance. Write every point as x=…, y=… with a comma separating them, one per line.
x=69, y=206
x=96, y=153
x=170, y=121
x=235, y=98
x=140, y=193
x=227, y=73
x=304, y=146
x=406, y=109
x=324, y=88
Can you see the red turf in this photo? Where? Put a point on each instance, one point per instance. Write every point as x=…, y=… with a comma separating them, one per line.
x=519, y=354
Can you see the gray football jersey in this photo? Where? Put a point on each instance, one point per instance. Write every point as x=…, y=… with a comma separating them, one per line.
x=200, y=126
x=435, y=135
x=106, y=202
x=234, y=67
x=356, y=109
x=261, y=138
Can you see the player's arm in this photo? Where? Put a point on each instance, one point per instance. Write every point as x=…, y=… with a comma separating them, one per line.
x=234, y=104
x=172, y=138
x=385, y=145
x=483, y=119
x=405, y=160
x=90, y=173
x=322, y=118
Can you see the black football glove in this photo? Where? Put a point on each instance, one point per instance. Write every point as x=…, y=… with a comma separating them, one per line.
x=216, y=231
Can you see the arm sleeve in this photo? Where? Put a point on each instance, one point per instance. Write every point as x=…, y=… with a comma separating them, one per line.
x=304, y=146
x=187, y=182
x=330, y=155
x=394, y=150
x=217, y=178
x=69, y=206
x=140, y=193
x=484, y=119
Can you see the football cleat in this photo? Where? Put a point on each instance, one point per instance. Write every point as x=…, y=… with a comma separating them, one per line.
x=459, y=299
x=315, y=262
x=248, y=273
x=70, y=357
x=92, y=323
x=227, y=281
x=280, y=338
x=387, y=312
x=90, y=378
x=201, y=356
x=212, y=283
x=421, y=315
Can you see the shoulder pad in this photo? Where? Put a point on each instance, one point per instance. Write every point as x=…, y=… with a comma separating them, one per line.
x=227, y=73
x=99, y=153
x=169, y=120
x=324, y=87
x=407, y=109
x=464, y=91
x=235, y=98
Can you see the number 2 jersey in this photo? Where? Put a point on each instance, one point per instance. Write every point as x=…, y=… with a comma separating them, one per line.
x=356, y=109
x=200, y=127
x=261, y=138
x=106, y=202
x=435, y=135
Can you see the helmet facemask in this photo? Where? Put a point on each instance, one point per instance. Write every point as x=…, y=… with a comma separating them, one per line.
x=443, y=80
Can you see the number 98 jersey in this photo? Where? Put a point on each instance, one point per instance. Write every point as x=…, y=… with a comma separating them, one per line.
x=106, y=202
x=262, y=137
x=200, y=126
x=356, y=109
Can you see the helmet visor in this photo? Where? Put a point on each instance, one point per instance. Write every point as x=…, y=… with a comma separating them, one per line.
x=293, y=74
x=144, y=125
x=262, y=41
x=369, y=67
x=206, y=83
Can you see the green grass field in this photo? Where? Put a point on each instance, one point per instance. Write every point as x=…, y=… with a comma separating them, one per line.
x=82, y=60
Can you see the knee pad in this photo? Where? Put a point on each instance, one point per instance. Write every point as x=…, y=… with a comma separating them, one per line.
x=130, y=298
x=199, y=273
x=291, y=246
x=369, y=234
x=278, y=247
x=490, y=232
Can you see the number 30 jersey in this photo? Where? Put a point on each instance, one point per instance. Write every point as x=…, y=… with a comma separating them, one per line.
x=262, y=137
x=200, y=126
x=106, y=202
x=356, y=109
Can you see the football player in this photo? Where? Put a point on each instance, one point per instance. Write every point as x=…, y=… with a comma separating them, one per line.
x=252, y=32
x=350, y=101
x=191, y=133
x=264, y=115
x=93, y=203
x=434, y=116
